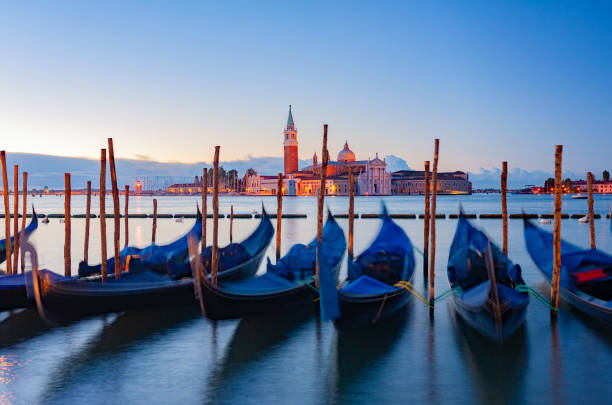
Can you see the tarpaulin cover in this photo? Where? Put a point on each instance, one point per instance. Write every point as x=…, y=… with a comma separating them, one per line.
x=389, y=258
x=299, y=262
x=153, y=257
x=19, y=281
x=573, y=260
x=282, y=276
x=28, y=231
x=328, y=302
x=231, y=255
x=467, y=259
x=366, y=285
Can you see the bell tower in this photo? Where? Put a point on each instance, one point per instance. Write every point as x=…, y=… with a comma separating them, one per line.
x=291, y=146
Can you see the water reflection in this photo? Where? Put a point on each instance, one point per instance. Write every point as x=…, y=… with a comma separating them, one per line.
x=118, y=335
x=253, y=339
x=498, y=370
x=360, y=351
x=21, y=326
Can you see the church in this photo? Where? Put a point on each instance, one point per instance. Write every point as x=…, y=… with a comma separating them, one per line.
x=371, y=177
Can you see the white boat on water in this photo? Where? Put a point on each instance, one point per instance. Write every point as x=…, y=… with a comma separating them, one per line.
x=579, y=197
x=545, y=221
x=584, y=219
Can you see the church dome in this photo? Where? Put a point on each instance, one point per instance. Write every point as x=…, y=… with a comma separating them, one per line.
x=346, y=155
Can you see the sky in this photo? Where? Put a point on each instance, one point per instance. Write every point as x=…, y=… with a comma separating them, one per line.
x=169, y=80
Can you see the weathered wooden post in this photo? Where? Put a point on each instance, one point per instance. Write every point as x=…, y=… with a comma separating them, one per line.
x=351, y=213
x=7, y=214
x=231, y=223
x=154, y=221
x=116, y=213
x=215, y=248
x=23, y=217
x=279, y=215
x=103, y=251
x=321, y=200
x=127, y=229
x=504, y=189
x=87, y=214
x=591, y=214
x=432, y=258
x=67, y=235
x=204, y=206
x=554, y=293
x=426, y=219
x=15, y=220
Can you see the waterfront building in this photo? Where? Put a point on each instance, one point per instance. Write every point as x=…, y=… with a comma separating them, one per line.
x=599, y=186
x=413, y=182
x=291, y=146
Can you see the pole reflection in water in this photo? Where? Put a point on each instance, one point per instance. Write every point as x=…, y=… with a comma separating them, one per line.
x=432, y=379
x=20, y=326
x=497, y=369
x=557, y=388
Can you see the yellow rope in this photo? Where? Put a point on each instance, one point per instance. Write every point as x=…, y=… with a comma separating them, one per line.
x=412, y=290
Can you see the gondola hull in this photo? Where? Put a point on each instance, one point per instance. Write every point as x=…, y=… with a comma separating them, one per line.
x=79, y=298
x=482, y=320
x=221, y=304
x=366, y=310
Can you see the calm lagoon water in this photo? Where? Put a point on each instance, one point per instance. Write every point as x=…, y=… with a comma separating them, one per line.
x=176, y=356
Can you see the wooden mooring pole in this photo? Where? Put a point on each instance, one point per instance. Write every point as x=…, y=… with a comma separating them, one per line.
x=279, y=215
x=154, y=230
x=204, y=205
x=321, y=200
x=116, y=213
x=67, y=230
x=591, y=214
x=432, y=258
x=103, y=251
x=87, y=214
x=554, y=287
x=504, y=189
x=7, y=214
x=127, y=227
x=215, y=202
x=426, y=223
x=16, y=220
x=23, y=217
x=351, y=213
x=231, y=223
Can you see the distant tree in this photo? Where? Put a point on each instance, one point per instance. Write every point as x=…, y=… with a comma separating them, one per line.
x=606, y=175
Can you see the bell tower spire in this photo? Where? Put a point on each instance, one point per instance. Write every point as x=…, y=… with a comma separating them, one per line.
x=290, y=144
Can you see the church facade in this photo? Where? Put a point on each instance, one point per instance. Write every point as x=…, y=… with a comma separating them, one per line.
x=371, y=176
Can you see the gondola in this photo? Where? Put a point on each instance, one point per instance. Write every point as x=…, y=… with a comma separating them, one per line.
x=70, y=298
x=153, y=257
x=586, y=274
x=27, y=232
x=373, y=289
x=236, y=260
x=483, y=281
x=284, y=287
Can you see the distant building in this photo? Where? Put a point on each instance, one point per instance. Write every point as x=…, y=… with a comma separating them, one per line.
x=413, y=182
x=599, y=187
x=291, y=146
x=185, y=188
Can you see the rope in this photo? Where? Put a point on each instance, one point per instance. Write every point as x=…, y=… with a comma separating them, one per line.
x=526, y=289
x=412, y=290
x=445, y=294
x=419, y=251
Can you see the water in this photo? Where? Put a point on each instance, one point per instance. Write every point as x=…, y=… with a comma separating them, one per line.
x=176, y=356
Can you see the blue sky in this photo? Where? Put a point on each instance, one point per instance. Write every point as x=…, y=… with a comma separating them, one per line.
x=168, y=80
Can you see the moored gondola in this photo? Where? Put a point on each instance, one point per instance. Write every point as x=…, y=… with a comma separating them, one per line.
x=32, y=226
x=286, y=286
x=153, y=257
x=236, y=260
x=65, y=298
x=374, y=288
x=483, y=280
x=586, y=274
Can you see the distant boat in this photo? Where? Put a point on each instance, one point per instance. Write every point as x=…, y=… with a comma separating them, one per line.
x=545, y=221
x=45, y=219
x=579, y=197
x=584, y=219
x=179, y=219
